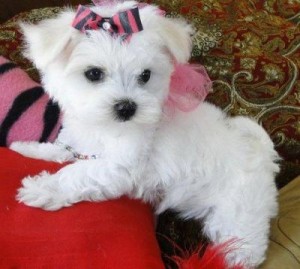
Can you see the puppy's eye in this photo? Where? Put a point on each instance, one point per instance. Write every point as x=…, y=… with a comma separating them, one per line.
x=94, y=74
x=145, y=76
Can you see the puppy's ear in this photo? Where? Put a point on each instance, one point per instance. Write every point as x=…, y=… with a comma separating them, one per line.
x=45, y=41
x=177, y=37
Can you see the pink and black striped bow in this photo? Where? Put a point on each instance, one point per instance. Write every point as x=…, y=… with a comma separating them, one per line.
x=123, y=23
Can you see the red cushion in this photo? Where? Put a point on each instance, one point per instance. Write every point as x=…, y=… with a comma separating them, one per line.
x=113, y=234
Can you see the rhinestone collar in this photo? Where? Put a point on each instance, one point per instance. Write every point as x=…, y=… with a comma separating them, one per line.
x=77, y=155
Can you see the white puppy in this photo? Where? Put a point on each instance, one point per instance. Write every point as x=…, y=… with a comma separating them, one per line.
x=112, y=92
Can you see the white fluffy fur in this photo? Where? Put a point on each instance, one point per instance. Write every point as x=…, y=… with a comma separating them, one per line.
x=203, y=164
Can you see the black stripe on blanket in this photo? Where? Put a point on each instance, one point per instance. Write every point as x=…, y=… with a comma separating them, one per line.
x=21, y=103
x=51, y=116
x=6, y=67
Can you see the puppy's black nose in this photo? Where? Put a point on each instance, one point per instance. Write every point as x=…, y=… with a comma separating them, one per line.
x=125, y=109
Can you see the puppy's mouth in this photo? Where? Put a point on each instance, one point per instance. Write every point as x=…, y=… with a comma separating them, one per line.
x=125, y=109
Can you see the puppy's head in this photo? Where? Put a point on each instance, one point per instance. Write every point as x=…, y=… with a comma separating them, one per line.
x=98, y=78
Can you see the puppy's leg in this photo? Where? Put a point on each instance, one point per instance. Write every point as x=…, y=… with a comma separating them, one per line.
x=246, y=223
x=44, y=151
x=81, y=181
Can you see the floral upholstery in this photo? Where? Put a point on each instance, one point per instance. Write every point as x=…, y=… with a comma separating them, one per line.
x=251, y=50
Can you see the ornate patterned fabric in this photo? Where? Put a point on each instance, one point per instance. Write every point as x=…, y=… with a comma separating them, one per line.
x=251, y=50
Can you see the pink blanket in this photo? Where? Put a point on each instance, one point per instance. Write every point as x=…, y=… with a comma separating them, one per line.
x=26, y=112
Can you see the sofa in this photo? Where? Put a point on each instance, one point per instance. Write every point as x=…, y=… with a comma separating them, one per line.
x=251, y=50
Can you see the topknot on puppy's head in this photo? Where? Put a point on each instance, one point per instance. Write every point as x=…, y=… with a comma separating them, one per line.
x=55, y=38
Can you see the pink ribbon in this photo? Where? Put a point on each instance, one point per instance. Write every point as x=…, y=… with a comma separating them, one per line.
x=189, y=86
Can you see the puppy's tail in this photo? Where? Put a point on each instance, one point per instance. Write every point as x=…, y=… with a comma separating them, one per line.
x=260, y=147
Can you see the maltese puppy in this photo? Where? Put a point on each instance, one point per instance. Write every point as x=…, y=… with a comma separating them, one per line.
x=109, y=67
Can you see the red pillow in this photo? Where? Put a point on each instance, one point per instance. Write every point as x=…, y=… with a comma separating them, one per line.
x=113, y=234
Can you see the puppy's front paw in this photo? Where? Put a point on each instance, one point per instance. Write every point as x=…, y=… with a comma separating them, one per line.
x=41, y=191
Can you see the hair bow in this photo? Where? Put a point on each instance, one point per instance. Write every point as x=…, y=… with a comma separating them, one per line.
x=122, y=23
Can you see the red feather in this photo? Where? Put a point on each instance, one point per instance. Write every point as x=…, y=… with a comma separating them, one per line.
x=212, y=258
